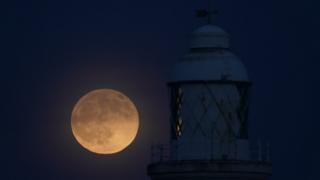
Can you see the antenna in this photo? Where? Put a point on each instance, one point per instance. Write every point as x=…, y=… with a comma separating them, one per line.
x=208, y=13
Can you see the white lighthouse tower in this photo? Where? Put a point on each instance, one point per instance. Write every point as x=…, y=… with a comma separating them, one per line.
x=209, y=92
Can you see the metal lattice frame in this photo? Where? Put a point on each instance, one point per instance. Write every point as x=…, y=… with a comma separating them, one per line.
x=176, y=104
x=241, y=109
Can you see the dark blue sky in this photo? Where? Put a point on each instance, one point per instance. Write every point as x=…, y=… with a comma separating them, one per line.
x=56, y=51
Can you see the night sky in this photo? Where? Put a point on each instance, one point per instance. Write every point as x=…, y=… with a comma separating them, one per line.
x=56, y=51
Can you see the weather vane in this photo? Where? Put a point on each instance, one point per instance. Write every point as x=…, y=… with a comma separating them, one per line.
x=208, y=13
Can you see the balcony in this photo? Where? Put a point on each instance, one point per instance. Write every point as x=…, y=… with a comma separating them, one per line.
x=259, y=152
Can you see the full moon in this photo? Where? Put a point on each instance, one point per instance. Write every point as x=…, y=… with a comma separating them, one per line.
x=104, y=121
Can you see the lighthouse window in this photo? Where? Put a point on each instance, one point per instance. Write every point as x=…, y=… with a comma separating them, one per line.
x=242, y=110
x=179, y=108
x=176, y=102
x=179, y=127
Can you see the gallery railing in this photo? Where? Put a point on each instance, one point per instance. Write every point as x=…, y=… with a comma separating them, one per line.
x=258, y=152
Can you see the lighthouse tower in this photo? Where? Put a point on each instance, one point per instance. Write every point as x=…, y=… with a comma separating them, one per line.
x=209, y=92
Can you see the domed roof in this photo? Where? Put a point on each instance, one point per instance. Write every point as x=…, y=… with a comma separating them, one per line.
x=210, y=36
x=209, y=58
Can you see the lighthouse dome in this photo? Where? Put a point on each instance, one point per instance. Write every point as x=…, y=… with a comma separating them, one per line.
x=209, y=58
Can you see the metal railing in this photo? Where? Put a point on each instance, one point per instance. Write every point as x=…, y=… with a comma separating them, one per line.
x=260, y=152
x=162, y=152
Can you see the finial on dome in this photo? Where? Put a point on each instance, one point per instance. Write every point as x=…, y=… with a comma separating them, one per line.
x=208, y=13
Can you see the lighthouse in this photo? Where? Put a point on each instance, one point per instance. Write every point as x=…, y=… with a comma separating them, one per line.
x=209, y=93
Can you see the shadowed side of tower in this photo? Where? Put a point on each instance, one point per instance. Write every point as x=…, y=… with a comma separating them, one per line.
x=209, y=92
